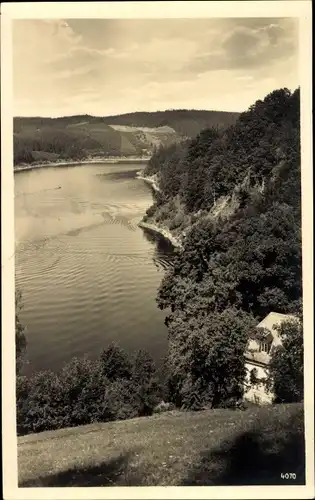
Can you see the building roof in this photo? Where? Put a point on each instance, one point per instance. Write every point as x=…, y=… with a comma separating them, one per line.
x=274, y=318
x=269, y=323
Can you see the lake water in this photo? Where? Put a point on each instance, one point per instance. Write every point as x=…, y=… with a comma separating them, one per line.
x=88, y=274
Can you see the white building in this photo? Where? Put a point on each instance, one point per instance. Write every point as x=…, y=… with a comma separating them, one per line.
x=257, y=357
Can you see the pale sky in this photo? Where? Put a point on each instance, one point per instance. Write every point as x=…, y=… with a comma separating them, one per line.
x=108, y=66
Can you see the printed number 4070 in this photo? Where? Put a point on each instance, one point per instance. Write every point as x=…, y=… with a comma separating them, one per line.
x=288, y=475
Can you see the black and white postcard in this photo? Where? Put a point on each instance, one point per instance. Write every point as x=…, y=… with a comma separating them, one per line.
x=156, y=179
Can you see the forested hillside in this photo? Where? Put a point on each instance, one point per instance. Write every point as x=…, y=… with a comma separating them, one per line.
x=186, y=122
x=84, y=136
x=233, y=196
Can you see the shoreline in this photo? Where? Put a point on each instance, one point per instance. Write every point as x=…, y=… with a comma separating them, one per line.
x=63, y=163
x=165, y=233
x=152, y=181
x=154, y=228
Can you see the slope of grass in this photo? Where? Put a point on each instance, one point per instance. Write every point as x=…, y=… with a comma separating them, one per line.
x=213, y=447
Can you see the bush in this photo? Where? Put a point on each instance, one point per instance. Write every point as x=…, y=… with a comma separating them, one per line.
x=163, y=407
x=233, y=404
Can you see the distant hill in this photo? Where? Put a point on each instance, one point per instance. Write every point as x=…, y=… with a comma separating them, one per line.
x=134, y=134
x=185, y=122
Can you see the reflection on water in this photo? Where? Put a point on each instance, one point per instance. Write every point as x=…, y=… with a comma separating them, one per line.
x=163, y=249
x=88, y=274
x=117, y=176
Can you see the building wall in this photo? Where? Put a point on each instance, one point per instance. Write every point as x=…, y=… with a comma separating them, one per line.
x=253, y=344
x=256, y=393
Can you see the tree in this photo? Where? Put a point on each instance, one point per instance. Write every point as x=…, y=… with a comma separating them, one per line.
x=191, y=395
x=286, y=366
x=39, y=405
x=145, y=382
x=83, y=391
x=115, y=363
x=122, y=401
x=206, y=357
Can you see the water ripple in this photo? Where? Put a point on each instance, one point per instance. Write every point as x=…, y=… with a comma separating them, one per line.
x=87, y=274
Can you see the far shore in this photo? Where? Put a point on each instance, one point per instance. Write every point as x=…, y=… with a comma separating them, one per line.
x=64, y=163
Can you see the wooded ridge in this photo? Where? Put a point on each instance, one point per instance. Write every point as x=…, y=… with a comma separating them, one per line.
x=82, y=136
x=234, y=198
